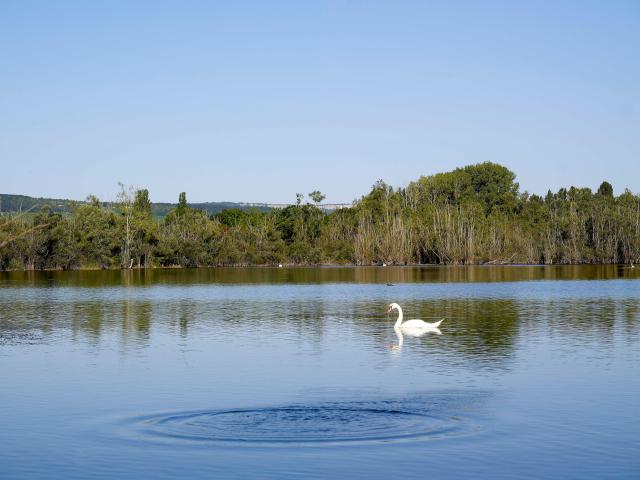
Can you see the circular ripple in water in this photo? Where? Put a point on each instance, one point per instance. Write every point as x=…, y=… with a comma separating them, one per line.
x=331, y=423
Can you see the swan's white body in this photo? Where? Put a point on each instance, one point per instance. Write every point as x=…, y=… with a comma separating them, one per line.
x=413, y=327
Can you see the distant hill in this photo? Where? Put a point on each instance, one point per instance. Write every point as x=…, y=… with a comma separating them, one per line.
x=17, y=203
x=21, y=203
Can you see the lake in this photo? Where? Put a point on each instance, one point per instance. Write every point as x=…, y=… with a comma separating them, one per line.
x=294, y=373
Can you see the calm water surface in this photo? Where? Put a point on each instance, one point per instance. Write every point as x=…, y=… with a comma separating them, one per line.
x=286, y=373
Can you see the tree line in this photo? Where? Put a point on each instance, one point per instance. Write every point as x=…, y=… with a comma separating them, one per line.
x=471, y=215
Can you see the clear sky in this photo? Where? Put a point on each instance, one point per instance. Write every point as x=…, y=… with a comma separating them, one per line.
x=255, y=101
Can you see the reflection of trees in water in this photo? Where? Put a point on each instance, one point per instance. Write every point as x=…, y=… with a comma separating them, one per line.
x=299, y=319
x=181, y=315
x=88, y=319
x=184, y=323
x=630, y=320
x=307, y=319
x=18, y=324
x=257, y=317
x=131, y=318
x=489, y=273
x=579, y=317
x=585, y=319
x=314, y=275
x=483, y=331
x=32, y=318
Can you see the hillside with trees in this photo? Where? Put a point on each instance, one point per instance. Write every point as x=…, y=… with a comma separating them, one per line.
x=472, y=215
x=23, y=203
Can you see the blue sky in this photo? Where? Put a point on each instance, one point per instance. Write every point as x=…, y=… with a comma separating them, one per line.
x=255, y=101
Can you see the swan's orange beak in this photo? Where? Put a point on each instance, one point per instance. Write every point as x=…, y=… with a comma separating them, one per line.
x=389, y=309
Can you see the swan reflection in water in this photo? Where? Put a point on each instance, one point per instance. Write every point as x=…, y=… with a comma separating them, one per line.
x=397, y=348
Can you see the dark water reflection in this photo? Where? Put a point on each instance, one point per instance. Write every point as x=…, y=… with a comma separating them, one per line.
x=298, y=275
x=254, y=373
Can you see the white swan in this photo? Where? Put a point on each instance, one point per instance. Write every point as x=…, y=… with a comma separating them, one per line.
x=413, y=327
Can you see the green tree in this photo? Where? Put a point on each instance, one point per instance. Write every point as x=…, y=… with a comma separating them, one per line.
x=94, y=233
x=144, y=229
x=317, y=196
x=182, y=204
x=605, y=189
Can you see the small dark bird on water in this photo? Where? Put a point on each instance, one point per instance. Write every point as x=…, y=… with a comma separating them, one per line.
x=389, y=284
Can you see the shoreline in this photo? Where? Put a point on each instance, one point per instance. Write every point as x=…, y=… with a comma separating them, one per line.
x=318, y=266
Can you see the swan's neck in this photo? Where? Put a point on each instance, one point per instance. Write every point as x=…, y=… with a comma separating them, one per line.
x=399, y=321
